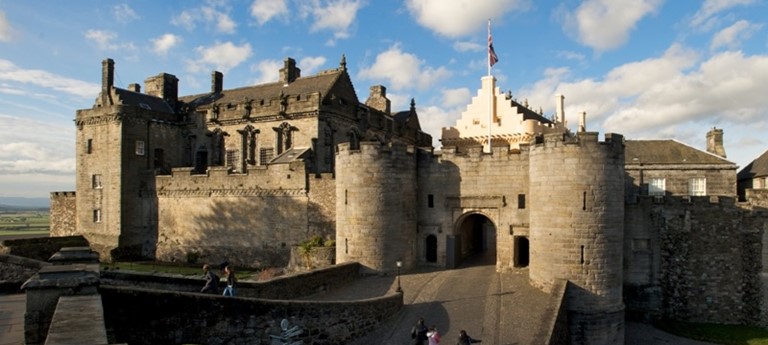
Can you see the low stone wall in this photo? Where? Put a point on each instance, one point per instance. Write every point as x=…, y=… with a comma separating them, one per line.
x=316, y=258
x=283, y=287
x=210, y=319
x=15, y=270
x=40, y=248
x=553, y=328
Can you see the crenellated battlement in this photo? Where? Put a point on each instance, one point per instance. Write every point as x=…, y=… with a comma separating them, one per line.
x=375, y=147
x=288, y=179
x=585, y=139
x=67, y=194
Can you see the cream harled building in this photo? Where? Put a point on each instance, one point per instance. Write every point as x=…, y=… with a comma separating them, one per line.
x=513, y=123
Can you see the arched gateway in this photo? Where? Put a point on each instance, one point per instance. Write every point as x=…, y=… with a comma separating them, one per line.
x=474, y=236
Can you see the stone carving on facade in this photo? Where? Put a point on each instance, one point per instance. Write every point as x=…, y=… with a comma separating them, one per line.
x=250, y=137
x=217, y=146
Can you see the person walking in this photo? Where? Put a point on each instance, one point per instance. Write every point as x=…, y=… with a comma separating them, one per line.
x=211, y=281
x=419, y=332
x=231, y=282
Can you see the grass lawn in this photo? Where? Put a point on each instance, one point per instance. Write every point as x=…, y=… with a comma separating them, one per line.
x=162, y=267
x=24, y=221
x=715, y=333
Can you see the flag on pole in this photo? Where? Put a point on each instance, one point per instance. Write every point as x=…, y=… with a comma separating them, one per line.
x=492, y=58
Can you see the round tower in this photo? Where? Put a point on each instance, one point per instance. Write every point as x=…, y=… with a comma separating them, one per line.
x=376, y=205
x=577, y=229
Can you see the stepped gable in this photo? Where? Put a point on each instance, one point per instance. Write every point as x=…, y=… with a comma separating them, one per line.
x=667, y=152
x=142, y=100
x=755, y=168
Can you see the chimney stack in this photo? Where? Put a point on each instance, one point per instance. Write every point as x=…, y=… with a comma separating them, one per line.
x=289, y=72
x=378, y=99
x=560, y=108
x=165, y=86
x=583, y=122
x=107, y=80
x=715, y=142
x=217, y=82
x=134, y=87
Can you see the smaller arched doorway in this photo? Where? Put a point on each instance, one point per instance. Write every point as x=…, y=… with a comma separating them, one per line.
x=431, y=248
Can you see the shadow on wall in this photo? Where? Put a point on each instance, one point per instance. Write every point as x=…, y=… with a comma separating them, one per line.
x=249, y=231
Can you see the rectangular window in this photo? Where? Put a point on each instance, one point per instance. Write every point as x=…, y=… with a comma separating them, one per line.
x=657, y=186
x=231, y=157
x=266, y=155
x=521, y=201
x=97, y=216
x=139, y=148
x=89, y=146
x=430, y=201
x=697, y=186
x=96, y=181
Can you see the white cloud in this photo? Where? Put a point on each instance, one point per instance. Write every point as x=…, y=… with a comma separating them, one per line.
x=456, y=97
x=605, y=24
x=705, y=16
x=666, y=92
x=124, y=13
x=220, y=56
x=164, y=43
x=10, y=72
x=268, y=71
x=461, y=17
x=51, y=151
x=6, y=31
x=732, y=36
x=468, y=47
x=403, y=70
x=208, y=15
x=310, y=64
x=333, y=15
x=266, y=10
x=105, y=41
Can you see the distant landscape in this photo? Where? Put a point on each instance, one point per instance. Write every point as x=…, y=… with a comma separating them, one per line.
x=19, y=203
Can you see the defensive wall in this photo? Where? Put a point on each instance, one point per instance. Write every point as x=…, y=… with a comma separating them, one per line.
x=577, y=229
x=63, y=213
x=60, y=297
x=697, y=259
x=376, y=205
x=249, y=219
x=455, y=185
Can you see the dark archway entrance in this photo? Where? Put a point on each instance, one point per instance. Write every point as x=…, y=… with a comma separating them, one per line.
x=521, y=251
x=476, y=236
x=431, y=249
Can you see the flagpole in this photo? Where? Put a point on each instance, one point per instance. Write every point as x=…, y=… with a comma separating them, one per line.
x=490, y=99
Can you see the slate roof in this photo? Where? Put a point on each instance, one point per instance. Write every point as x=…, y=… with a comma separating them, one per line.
x=529, y=114
x=756, y=168
x=143, y=100
x=667, y=152
x=322, y=83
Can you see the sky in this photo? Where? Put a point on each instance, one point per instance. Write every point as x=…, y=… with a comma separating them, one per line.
x=647, y=69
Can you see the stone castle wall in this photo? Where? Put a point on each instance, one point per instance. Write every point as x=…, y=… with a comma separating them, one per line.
x=462, y=184
x=577, y=229
x=63, y=214
x=376, y=205
x=249, y=219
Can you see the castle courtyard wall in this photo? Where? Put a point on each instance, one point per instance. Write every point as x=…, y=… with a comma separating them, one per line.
x=249, y=219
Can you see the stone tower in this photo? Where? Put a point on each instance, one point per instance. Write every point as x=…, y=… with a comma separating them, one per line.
x=376, y=218
x=577, y=229
x=715, y=142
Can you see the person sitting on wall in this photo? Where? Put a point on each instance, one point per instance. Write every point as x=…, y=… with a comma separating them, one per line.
x=211, y=281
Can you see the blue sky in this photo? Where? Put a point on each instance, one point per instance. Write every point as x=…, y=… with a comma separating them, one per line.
x=643, y=68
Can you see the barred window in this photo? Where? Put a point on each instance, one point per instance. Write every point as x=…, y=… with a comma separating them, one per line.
x=266, y=155
x=231, y=159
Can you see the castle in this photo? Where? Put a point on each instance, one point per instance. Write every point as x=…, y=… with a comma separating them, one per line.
x=639, y=228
